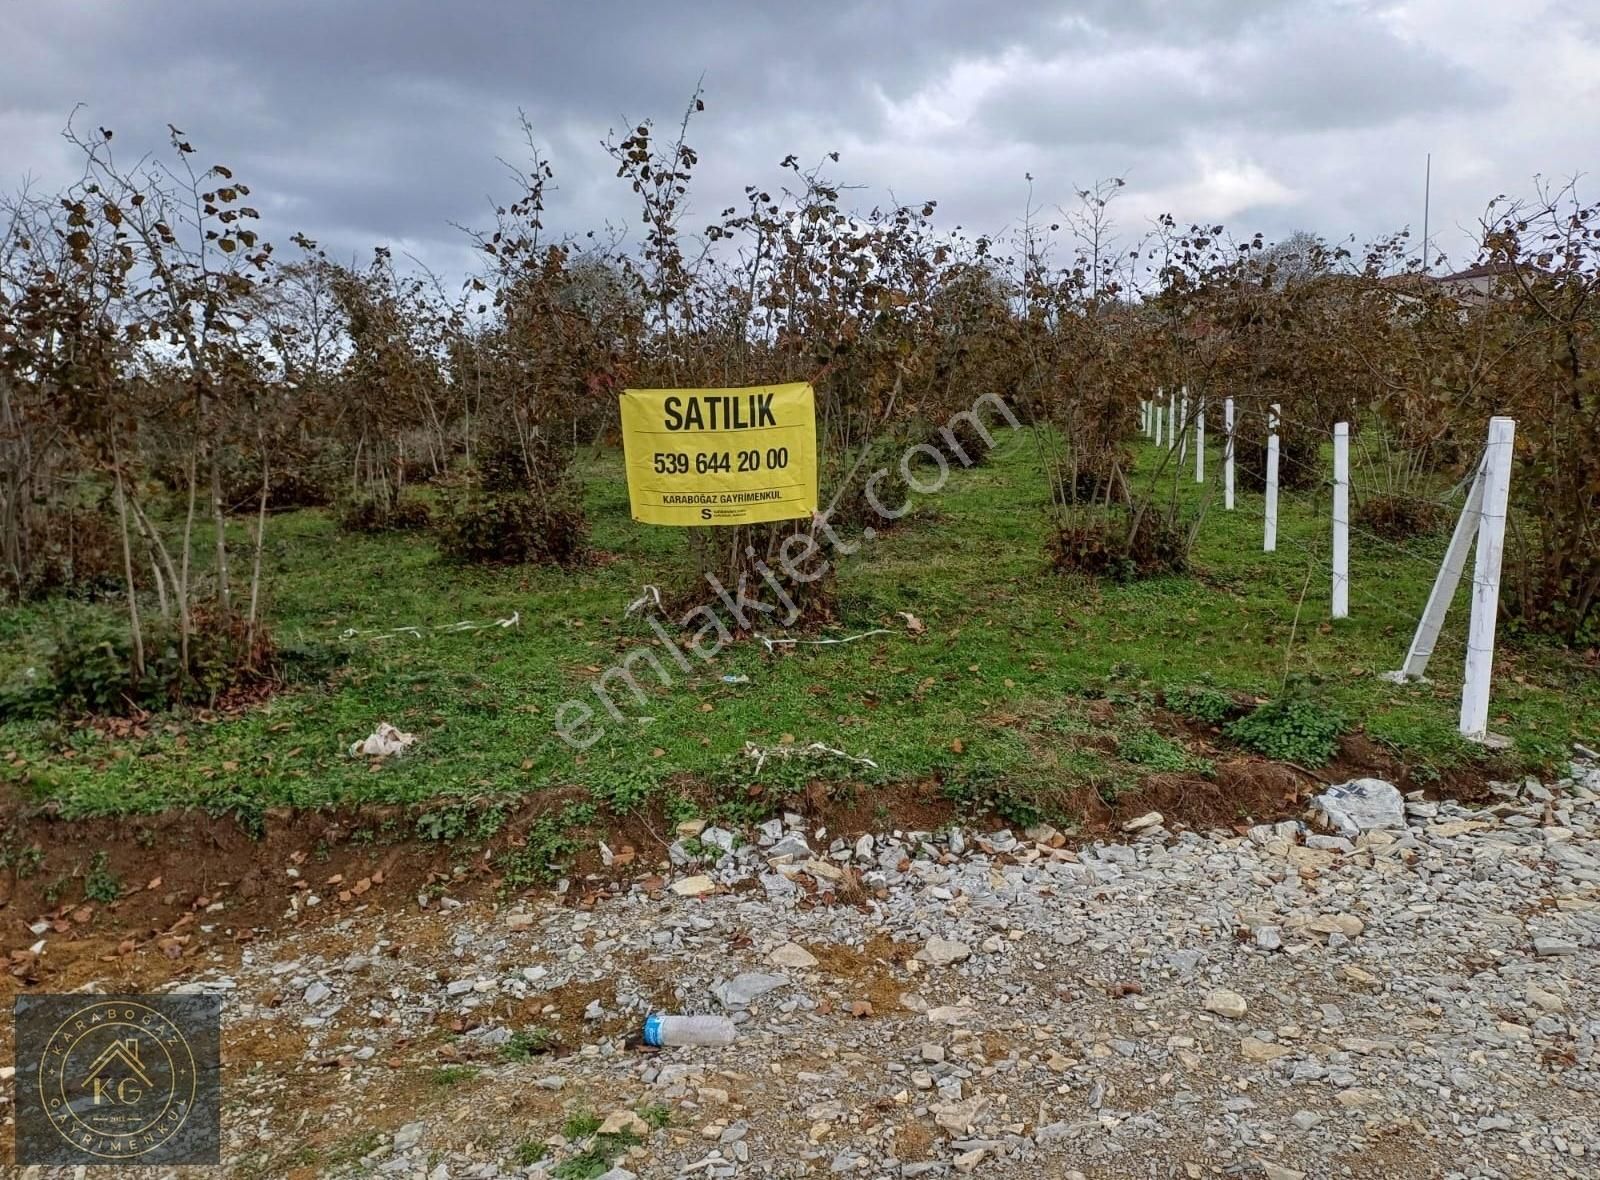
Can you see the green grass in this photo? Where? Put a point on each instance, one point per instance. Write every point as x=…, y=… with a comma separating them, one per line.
x=447, y=1076
x=580, y=1124
x=528, y=1152
x=528, y=1043
x=1006, y=638
x=656, y=1115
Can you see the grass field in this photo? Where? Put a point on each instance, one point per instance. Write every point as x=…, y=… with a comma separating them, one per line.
x=992, y=697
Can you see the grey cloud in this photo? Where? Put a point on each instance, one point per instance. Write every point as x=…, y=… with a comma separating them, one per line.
x=1295, y=72
x=369, y=122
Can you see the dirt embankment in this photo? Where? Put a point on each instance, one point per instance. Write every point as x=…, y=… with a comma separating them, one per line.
x=139, y=900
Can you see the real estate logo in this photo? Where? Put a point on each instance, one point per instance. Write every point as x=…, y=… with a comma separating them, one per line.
x=117, y=1079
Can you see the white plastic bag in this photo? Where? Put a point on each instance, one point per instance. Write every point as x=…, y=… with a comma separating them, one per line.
x=382, y=742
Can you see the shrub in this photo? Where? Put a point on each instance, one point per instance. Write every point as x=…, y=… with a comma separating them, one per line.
x=1108, y=545
x=1291, y=728
x=78, y=550
x=300, y=477
x=90, y=669
x=510, y=528
x=372, y=514
x=1397, y=518
x=1299, y=456
x=854, y=511
x=1087, y=486
x=506, y=464
x=963, y=439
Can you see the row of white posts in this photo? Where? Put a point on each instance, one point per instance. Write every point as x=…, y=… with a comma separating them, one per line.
x=1482, y=520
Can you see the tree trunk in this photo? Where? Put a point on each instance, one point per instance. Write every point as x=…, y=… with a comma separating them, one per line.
x=219, y=521
x=185, y=617
x=255, y=573
x=127, y=572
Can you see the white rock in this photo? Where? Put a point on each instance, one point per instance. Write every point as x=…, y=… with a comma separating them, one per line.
x=624, y=1121
x=409, y=1136
x=793, y=955
x=941, y=952
x=1361, y=805
x=1226, y=1003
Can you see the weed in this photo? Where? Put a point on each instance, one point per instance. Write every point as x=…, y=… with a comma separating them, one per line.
x=678, y=807
x=357, y=1147
x=24, y=859
x=1110, y=790
x=453, y=1075
x=580, y=1124
x=597, y=1159
x=1199, y=702
x=586, y=1165
x=528, y=1152
x=1145, y=747
x=623, y=791
x=1291, y=728
x=460, y=821
x=656, y=1115
x=527, y=1043
x=100, y=883
x=547, y=849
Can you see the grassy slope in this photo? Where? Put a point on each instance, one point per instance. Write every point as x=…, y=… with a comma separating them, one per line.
x=1008, y=649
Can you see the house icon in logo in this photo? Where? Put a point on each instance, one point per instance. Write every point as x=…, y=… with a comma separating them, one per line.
x=124, y=1090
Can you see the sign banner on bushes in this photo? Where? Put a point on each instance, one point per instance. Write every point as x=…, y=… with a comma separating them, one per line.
x=720, y=456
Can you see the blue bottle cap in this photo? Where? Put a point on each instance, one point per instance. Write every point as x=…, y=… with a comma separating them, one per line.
x=652, y=1030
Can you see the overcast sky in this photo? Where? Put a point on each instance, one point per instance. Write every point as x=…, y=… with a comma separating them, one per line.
x=362, y=123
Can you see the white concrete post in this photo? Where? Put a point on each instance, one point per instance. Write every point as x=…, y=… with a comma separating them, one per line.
x=1444, y=586
x=1227, y=453
x=1155, y=421
x=1200, y=442
x=1270, y=542
x=1486, y=578
x=1144, y=417
x=1172, y=419
x=1341, y=520
x=1183, y=425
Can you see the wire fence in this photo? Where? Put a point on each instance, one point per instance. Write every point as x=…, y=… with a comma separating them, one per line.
x=1366, y=597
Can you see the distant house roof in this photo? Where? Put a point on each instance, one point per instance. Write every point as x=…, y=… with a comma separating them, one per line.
x=1485, y=270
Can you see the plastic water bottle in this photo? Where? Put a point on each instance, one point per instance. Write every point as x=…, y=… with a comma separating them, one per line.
x=688, y=1030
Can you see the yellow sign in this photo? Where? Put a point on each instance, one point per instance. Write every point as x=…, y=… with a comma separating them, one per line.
x=721, y=456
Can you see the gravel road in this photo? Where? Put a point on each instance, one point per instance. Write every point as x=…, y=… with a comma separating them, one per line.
x=1415, y=1001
